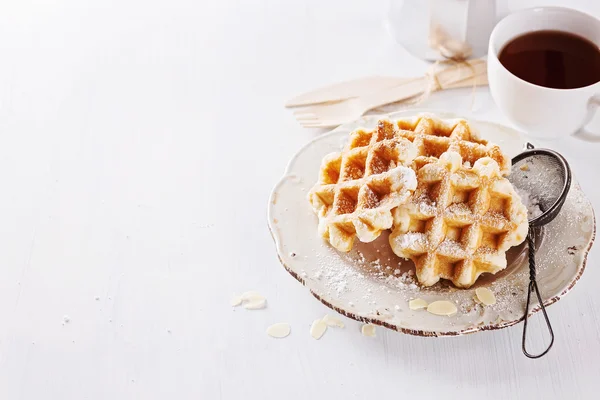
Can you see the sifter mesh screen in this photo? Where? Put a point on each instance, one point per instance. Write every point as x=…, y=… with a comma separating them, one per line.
x=542, y=179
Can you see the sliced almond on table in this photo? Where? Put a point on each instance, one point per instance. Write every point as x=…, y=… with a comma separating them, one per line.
x=250, y=300
x=235, y=301
x=442, y=307
x=417, y=304
x=318, y=328
x=486, y=296
x=333, y=321
x=368, y=330
x=255, y=304
x=251, y=295
x=279, y=330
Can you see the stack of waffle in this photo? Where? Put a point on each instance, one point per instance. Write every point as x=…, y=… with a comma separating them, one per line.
x=440, y=189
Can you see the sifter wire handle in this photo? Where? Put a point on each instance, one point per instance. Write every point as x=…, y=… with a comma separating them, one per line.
x=533, y=287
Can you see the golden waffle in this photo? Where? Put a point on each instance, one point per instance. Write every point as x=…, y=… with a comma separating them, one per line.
x=358, y=188
x=460, y=220
x=433, y=137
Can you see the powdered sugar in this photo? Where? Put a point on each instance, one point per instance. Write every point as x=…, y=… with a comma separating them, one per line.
x=337, y=275
x=410, y=240
x=450, y=248
x=409, y=178
x=364, y=266
x=406, y=281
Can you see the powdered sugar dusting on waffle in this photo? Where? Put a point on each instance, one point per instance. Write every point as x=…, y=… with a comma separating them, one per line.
x=467, y=216
x=434, y=136
x=411, y=239
x=358, y=188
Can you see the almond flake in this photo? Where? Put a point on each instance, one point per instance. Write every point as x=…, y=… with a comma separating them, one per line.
x=368, y=330
x=252, y=300
x=417, y=304
x=524, y=167
x=279, y=330
x=318, y=328
x=251, y=295
x=442, y=307
x=485, y=295
x=235, y=301
x=255, y=304
x=333, y=321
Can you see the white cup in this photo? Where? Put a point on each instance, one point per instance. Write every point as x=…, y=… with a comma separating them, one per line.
x=540, y=111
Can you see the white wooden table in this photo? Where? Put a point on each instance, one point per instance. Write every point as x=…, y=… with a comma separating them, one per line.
x=140, y=141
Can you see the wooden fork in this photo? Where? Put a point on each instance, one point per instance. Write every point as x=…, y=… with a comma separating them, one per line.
x=333, y=114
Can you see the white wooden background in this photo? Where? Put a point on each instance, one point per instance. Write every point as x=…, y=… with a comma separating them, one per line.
x=140, y=141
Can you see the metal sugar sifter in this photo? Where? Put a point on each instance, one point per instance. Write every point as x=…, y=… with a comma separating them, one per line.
x=543, y=178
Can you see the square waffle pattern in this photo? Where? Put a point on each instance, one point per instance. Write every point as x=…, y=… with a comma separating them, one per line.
x=433, y=136
x=460, y=220
x=358, y=188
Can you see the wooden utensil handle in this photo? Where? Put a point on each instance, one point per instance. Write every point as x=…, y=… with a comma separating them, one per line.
x=452, y=77
x=398, y=93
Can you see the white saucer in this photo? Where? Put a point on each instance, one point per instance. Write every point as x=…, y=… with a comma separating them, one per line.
x=362, y=288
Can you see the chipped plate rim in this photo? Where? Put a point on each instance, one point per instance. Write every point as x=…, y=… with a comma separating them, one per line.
x=415, y=332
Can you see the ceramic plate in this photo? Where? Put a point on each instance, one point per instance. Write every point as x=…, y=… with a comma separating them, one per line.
x=371, y=284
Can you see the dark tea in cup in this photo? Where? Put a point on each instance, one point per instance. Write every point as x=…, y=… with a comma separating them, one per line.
x=553, y=59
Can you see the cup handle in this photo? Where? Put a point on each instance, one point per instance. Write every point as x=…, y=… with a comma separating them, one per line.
x=584, y=134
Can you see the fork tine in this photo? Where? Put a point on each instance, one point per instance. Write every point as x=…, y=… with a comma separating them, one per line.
x=316, y=108
x=312, y=122
x=320, y=116
x=321, y=124
x=307, y=117
x=305, y=111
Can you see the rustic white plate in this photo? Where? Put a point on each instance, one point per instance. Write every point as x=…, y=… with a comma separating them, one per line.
x=367, y=284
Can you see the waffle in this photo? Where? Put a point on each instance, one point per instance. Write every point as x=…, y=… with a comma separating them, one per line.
x=460, y=220
x=358, y=188
x=433, y=137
